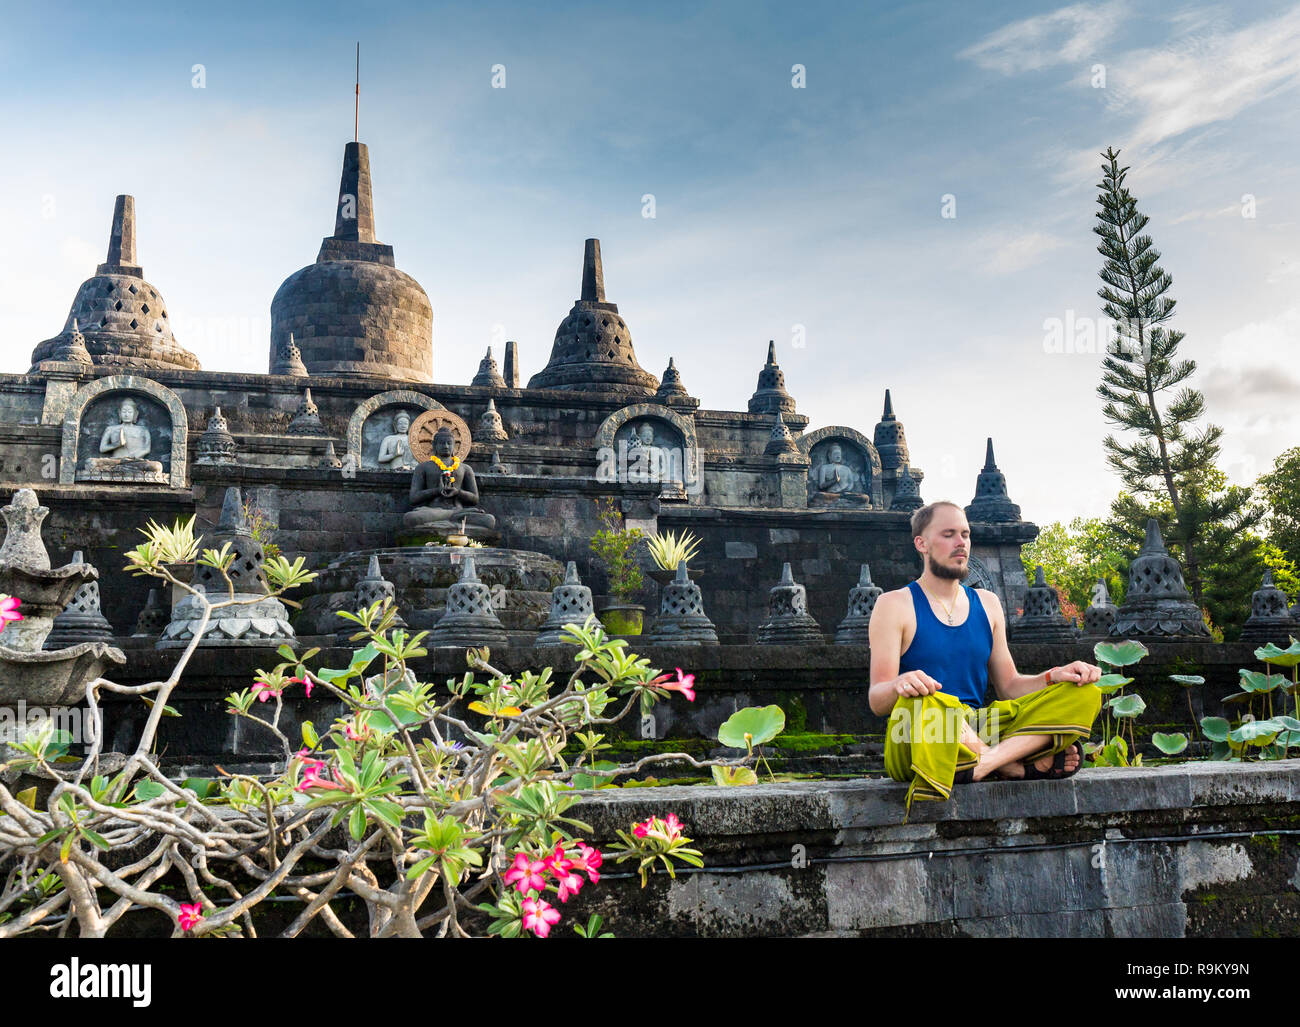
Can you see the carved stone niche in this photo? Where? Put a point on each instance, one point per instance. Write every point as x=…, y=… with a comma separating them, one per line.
x=125, y=429
x=844, y=468
x=375, y=420
x=645, y=443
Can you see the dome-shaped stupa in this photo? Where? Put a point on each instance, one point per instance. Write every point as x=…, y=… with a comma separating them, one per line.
x=352, y=312
x=122, y=318
x=593, y=347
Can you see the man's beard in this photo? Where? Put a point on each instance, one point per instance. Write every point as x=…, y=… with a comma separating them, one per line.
x=950, y=573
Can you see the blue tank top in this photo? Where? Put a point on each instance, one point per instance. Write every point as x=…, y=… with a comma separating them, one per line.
x=957, y=656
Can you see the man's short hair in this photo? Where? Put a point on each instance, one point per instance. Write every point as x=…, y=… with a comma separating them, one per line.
x=921, y=518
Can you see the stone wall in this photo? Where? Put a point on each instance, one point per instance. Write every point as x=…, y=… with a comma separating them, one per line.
x=1196, y=850
x=821, y=689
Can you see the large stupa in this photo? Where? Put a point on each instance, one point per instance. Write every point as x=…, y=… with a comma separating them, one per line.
x=353, y=312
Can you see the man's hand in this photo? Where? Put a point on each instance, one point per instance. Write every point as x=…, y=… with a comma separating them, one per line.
x=915, y=682
x=1078, y=672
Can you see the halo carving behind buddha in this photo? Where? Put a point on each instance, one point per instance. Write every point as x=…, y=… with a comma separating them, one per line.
x=426, y=426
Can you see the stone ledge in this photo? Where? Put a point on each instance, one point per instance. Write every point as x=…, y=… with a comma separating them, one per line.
x=838, y=806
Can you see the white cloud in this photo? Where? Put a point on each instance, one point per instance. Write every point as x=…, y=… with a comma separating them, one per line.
x=1004, y=253
x=1070, y=34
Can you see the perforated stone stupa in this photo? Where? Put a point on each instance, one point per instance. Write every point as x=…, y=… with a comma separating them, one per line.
x=593, y=346
x=123, y=320
x=1157, y=602
x=570, y=604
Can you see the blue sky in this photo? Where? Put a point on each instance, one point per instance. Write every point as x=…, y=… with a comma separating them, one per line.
x=775, y=207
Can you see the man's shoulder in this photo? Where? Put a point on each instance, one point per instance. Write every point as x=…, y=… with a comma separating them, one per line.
x=898, y=600
x=989, y=599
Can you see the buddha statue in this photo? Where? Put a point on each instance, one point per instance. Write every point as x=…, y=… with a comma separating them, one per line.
x=835, y=476
x=444, y=495
x=395, y=450
x=126, y=442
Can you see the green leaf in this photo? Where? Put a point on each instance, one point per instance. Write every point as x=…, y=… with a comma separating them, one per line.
x=1276, y=657
x=760, y=723
x=1215, y=728
x=1254, y=681
x=146, y=790
x=1127, y=705
x=1119, y=654
x=1255, y=732
x=357, y=823
x=734, y=776
x=1237, y=698
x=1109, y=683
x=203, y=787
x=1187, y=680
x=1170, y=745
x=309, y=736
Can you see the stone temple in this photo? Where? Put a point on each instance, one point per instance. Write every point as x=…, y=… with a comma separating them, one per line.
x=116, y=423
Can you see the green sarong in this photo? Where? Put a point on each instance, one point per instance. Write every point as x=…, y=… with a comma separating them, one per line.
x=922, y=738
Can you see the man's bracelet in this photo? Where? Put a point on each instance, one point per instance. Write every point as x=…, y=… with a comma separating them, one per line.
x=1047, y=676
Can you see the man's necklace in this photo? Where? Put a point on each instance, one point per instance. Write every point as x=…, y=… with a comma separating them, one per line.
x=946, y=608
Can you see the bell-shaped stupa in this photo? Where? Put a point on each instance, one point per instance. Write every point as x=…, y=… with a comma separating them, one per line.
x=593, y=347
x=353, y=312
x=122, y=319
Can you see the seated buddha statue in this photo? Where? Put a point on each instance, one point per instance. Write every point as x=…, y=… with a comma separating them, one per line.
x=835, y=481
x=126, y=442
x=444, y=495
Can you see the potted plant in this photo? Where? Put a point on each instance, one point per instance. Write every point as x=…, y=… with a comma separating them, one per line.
x=615, y=543
x=669, y=549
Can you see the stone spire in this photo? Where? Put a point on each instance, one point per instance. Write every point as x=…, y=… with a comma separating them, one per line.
x=121, y=318
x=306, y=421
x=592, y=350
x=488, y=373
x=354, y=216
x=257, y=619
x=1042, y=620
x=511, y=366
x=890, y=441
x=1100, y=614
x=854, y=628
x=682, y=620
x=1157, y=602
x=788, y=622
x=991, y=503
x=152, y=619
x=82, y=620
x=288, y=360
x=330, y=460
x=907, y=494
x=780, y=441
x=770, y=394
x=1269, y=620
x=216, y=445
x=570, y=604
x=69, y=347
x=371, y=588
x=490, y=426
x=593, y=273
x=121, y=240
x=670, y=386
x=468, y=617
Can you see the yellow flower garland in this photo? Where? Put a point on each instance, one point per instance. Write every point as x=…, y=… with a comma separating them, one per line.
x=455, y=462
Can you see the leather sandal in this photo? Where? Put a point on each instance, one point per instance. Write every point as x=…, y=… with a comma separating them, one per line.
x=1057, y=771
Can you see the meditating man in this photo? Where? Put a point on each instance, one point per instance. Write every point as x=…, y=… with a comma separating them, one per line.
x=936, y=645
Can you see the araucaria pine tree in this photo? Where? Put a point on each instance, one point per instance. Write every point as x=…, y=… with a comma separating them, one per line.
x=1167, y=465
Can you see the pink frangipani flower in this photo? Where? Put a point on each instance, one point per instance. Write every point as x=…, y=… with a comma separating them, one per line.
x=588, y=860
x=539, y=916
x=685, y=684
x=8, y=609
x=191, y=913
x=526, y=874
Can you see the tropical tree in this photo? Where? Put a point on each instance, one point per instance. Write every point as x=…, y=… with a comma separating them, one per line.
x=1168, y=465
